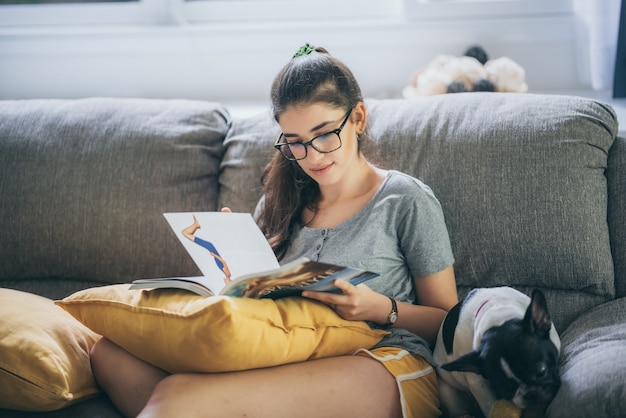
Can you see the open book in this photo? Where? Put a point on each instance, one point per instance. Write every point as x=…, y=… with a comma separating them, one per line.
x=236, y=260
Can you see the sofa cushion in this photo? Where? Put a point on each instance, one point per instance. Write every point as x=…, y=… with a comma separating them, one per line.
x=179, y=331
x=521, y=179
x=592, y=365
x=85, y=183
x=44, y=354
x=248, y=148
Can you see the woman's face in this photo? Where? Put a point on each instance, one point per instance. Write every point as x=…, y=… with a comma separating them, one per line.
x=304, y=122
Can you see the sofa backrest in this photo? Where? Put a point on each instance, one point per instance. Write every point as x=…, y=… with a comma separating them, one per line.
x=533, y=186
x=521, y=179
x=84, y=184
x=616, y=178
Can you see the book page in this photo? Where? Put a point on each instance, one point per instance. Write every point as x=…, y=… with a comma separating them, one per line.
x=225, y=246
x=294, y=277
x=196, y=284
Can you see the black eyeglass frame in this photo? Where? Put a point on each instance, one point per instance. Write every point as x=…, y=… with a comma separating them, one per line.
x=278, y=145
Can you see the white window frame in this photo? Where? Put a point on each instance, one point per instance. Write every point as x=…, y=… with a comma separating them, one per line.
x=427, y=10
x=181, y=12
x=287, y=11
x=140, y=12
x=281, y=12
x=168, y=48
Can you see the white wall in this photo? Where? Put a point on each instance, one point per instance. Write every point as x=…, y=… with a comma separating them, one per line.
x=235, y=62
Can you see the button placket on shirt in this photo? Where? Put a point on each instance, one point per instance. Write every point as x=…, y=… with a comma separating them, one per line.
x=320, y=245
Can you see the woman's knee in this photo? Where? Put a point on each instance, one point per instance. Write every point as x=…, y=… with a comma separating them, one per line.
x=101, y=357
x=172, y=384
x=165, y=397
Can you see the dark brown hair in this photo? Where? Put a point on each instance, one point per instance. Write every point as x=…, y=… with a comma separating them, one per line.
x=316, y=77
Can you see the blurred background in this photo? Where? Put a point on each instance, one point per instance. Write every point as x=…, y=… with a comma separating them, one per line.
x=229, y=50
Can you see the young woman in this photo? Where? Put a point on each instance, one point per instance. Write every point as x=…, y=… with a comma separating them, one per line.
x=324, y=200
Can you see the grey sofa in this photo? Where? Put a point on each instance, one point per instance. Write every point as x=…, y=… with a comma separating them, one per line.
x=533, y=188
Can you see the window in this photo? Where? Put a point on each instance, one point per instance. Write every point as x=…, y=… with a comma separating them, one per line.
x=14, y=2
x=284, y=12
x=180, y=12
x=466, y=9
x=84, y=12
x=231, y=49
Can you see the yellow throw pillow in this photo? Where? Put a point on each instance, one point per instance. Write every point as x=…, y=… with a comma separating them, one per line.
x=179, y=331
x=44, y=354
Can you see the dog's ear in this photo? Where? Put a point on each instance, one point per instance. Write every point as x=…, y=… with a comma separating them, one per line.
x=470, y=362
x=537, y=319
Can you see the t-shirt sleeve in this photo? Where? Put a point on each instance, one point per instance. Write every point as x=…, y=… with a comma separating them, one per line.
x=423, y=232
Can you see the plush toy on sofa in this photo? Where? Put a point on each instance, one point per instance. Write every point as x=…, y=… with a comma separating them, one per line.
x=473, y=71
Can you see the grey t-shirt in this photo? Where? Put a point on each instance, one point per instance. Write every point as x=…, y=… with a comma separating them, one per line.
x=400, y=233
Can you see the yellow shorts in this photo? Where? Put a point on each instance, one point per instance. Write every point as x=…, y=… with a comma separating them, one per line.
x=416, y=379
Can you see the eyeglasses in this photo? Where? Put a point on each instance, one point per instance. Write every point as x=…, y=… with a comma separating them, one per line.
x=324, y=143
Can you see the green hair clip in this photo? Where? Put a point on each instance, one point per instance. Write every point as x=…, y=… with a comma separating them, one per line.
x=304, y=50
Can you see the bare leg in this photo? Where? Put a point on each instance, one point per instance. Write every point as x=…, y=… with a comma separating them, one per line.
x=127, y=380
x=189, y=231
x=350, y=386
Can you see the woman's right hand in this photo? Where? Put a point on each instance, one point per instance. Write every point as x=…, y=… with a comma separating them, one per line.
x=355, y=303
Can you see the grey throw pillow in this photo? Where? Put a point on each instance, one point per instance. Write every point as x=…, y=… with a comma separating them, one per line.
x=84, y=184
x=248, y=148
x=521, y=178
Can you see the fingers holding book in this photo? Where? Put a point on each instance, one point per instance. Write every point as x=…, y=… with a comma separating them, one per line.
x=353, y=303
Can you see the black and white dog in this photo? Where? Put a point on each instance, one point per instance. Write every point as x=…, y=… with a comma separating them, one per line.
x=497, y=344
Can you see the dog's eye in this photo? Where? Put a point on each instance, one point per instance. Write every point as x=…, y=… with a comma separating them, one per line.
x=541, y=371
